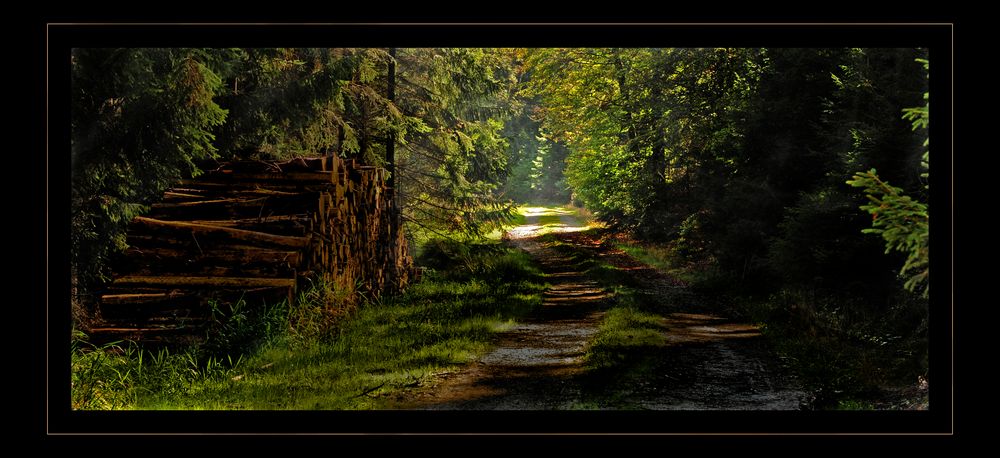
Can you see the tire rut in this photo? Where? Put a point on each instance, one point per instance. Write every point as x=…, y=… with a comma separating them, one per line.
x=708, y=362
x=533, y=365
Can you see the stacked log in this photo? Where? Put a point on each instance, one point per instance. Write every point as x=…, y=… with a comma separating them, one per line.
x=254, y=232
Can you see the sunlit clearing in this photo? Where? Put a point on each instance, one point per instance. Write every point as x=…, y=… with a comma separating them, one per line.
x=567, y=228
x=550, y=220
x=544, y=211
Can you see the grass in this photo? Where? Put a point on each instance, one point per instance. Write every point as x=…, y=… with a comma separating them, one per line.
x=627, y=346
x=661, y=257
x=446, y=320
x=842, y=354
x=519, y=218
x=299, y=358
x=625, y=331
x=548, y=221
x=420, y=236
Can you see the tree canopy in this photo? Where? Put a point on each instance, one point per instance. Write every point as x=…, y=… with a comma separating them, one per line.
x=738, y=156
x=787, y=187
x=145, y=118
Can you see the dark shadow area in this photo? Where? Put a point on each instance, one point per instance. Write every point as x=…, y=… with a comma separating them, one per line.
x=694, y=358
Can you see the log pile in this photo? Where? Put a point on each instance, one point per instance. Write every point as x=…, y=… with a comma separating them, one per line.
x=253, y=232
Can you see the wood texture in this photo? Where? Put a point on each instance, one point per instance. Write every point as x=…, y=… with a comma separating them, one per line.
x=266, y=228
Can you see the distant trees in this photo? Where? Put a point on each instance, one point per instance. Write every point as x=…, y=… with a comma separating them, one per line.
x=144, y=118
x=452, y=159
x=739, y=156
x=536, y=162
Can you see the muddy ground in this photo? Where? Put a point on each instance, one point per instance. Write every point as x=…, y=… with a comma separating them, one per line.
x=709, y=362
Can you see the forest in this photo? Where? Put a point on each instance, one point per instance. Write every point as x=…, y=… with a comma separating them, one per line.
x=719, y=228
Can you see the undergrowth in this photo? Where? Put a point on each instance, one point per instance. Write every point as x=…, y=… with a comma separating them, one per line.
x=846, y=350
x=309, y=357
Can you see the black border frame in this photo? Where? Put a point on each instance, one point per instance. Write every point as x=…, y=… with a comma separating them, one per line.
x=60, y=37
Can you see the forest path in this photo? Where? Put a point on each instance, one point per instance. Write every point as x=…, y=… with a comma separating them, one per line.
x=708, y=362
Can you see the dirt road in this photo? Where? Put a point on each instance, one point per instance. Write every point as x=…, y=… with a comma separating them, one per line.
x=709, y=362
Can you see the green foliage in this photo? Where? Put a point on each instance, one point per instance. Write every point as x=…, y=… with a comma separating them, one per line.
x=143, y=118
x=736, y=160
x=446, y=119
x=299, y=362
x=920, y=116
x=287, y=102
x=903, y=224
x=536, y=162
x=710, y=150
x=452, y=165
x=902, y=221
x=140, y=118
x=640, y=125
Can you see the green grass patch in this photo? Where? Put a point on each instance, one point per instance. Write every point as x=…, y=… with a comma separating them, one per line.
x=842, y=351
x=519, y=218
x=662, y=257
x=549, y=220
x=629, y=341
x=624, y=332
x=852, y=404
x=446, y=320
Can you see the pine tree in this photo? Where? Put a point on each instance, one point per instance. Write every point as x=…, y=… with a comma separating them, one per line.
x=140, y=120
x=901, y=220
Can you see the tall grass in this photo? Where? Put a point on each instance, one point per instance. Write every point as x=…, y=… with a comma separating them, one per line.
x=306, y=357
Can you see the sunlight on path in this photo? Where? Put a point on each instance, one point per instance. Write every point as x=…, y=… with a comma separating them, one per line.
x=534, y=364
x=545, y=211
x=534, y=216
x=704, y=362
